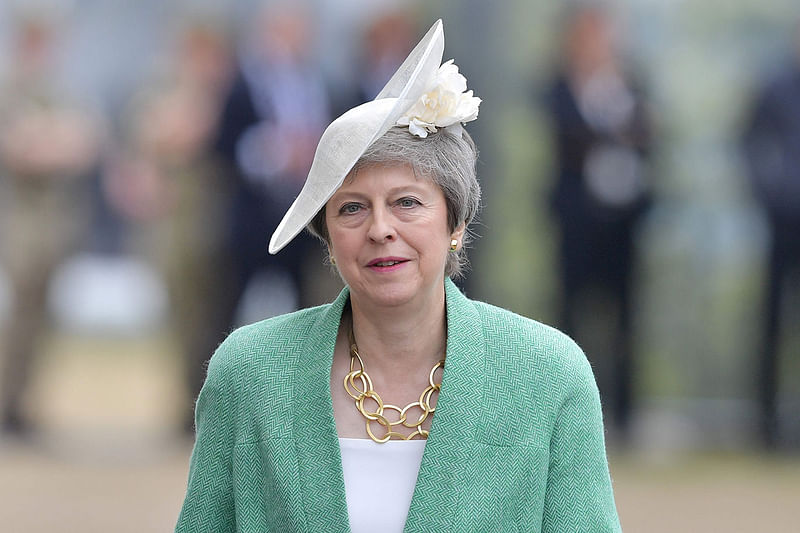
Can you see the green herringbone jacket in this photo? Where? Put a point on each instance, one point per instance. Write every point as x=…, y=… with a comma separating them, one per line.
x=516, y=443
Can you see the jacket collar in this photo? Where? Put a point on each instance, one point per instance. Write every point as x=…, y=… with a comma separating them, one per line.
x=319, y=460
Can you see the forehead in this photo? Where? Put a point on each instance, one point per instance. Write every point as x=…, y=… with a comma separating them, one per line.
x=385, y=176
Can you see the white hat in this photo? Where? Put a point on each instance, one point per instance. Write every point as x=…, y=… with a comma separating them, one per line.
x=349, y=136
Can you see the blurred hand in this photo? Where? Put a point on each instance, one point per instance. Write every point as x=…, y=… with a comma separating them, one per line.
x=136, y=188
x=57, y=143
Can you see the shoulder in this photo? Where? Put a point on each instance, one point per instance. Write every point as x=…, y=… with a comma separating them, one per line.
x=526, y=368
x=540, y=353
x=508, y=337
x=780, y=85
x=265, y=342
x=506, y=327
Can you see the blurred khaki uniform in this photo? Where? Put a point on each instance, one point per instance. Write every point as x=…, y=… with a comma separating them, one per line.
x=47, y=149
x=182, y=233
x=167, y=184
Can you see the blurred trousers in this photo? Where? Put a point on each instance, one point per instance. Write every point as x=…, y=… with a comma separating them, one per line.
x=41, y=222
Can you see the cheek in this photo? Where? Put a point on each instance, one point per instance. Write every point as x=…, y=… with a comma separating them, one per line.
x=330, y=231
x=340, y=241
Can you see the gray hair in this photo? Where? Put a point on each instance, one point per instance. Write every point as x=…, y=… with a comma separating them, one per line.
x=448, y=159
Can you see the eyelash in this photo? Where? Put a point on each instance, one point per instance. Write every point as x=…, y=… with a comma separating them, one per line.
x=414, y=202
x=345, y=209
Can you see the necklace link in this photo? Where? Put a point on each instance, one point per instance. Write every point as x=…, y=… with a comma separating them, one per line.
x=358, y=376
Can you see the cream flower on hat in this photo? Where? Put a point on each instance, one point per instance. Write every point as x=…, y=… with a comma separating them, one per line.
x=445, y=103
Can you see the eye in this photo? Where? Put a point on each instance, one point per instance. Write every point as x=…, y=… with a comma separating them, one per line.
x=350, y=208
x=408, y=202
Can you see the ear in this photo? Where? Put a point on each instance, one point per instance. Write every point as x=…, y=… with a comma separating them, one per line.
x=458, y=234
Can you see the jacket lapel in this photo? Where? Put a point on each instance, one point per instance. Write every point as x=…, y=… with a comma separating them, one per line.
x=434, y=506
x=317, y=446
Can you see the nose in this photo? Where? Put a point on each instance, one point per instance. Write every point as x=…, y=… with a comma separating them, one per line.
x=381, y=227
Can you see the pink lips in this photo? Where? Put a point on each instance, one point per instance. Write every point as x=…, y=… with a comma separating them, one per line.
x=386, y=264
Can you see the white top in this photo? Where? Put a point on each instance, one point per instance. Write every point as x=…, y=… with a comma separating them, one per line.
x=379, y=482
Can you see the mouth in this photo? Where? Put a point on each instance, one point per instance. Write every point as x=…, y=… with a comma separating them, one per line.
x=386, y=262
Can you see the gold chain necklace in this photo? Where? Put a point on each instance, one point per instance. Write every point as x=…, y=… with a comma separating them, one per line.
x=358, y=375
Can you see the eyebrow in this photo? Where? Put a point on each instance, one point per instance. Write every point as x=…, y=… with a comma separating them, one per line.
x=391, y=192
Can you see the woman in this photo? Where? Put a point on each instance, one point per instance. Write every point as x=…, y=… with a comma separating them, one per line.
x=300, y=422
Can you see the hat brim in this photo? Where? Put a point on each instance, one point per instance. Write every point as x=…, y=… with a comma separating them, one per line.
x=347, y=138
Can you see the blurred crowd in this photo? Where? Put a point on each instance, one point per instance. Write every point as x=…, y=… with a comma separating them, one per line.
x=193, y=170
x=191, y=174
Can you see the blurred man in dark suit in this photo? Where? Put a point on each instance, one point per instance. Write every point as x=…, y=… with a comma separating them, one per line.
x=602, y=139
x=772, y=150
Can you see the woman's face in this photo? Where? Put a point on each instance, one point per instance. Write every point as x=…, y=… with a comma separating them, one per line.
x=389, y=236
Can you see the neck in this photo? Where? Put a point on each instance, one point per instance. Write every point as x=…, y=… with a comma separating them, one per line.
x=401, y=337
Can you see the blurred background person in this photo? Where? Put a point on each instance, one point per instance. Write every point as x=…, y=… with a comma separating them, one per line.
x=387, y=38
x=601, y=139
x=273, y=116
x=772, y=150
x=48, y=149
x=165, y=181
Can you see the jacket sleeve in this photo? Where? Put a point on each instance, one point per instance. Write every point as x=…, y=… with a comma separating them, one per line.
x=208, y=505
x=579, y=496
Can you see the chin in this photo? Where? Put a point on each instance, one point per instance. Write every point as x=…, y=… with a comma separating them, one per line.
x=392, y=296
